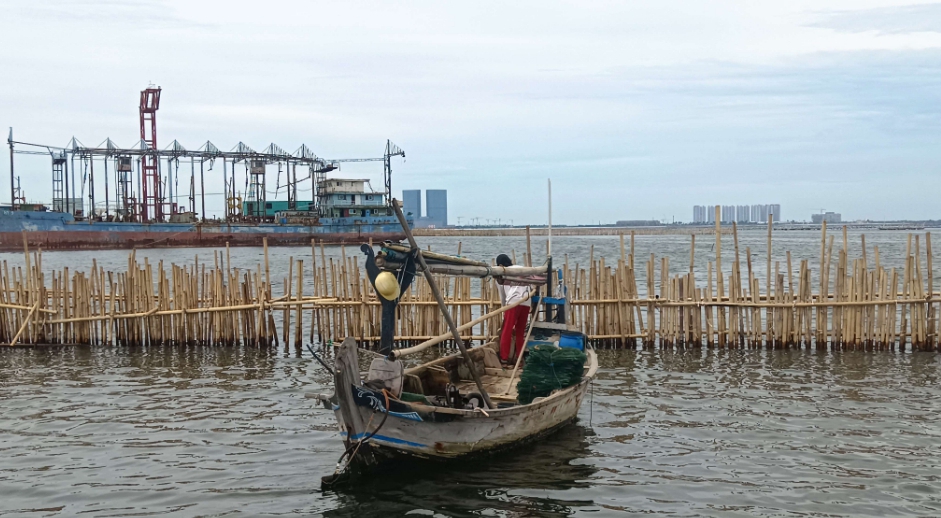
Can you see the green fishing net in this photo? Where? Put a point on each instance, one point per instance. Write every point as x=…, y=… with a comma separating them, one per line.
x=549, y=368
x=410, y=397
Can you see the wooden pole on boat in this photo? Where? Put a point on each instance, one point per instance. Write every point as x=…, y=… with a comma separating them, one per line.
x=519, y=354
x=549, y=241
x=444, y=309
x=529, y=248
x=444, y=336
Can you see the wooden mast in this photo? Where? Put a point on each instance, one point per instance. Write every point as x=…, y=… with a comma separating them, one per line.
x=444, y=309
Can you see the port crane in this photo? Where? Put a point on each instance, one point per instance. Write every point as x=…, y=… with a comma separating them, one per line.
x=152, y=207
x=148, y=196
x=391, y=151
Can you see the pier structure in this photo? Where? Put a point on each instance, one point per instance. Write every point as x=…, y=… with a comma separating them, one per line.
x=624, y=301
x=664, y=230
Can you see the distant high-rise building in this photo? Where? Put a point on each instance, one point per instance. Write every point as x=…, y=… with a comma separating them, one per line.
x=728, y=213
x=775, y=211
x=411, y=202
x=737, y=213
x=829, y=217
x=436, y=207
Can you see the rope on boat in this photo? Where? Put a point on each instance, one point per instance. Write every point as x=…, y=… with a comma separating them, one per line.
x=352, y=450
x=319, y=359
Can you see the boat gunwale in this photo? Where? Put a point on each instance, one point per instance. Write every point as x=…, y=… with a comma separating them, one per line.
x=518, y=408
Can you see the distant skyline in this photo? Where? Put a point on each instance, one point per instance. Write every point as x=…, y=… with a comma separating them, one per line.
x=635, y=111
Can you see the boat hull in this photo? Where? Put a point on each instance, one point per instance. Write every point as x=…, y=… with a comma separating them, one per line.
x=436, y=433
x=384, y=454
x=469, y=437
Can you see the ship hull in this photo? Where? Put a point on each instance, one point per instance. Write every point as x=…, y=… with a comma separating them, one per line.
x=56, y=231
x=50, y=240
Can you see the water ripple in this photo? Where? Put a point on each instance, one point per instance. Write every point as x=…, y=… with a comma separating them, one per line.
x=224, y=432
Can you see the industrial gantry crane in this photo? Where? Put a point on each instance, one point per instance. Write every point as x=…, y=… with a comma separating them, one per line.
x=152, y=207
x=391, y=151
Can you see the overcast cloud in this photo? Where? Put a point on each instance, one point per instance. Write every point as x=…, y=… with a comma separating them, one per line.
x=635, y=110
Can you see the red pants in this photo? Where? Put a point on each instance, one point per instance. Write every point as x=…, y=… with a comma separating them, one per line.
x=514, y=322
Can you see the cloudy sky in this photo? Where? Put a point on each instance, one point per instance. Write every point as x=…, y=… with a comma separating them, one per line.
x=635, y=110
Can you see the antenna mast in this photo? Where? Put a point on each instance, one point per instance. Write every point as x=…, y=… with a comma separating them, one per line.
x=391, y=151
x=549, y=246
x=12, y=193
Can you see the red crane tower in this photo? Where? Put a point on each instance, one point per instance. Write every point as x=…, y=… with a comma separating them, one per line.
x=150, y=190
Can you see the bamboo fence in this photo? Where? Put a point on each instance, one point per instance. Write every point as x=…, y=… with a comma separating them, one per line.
x=200, y=303
x=857, y=304
x=851, y=303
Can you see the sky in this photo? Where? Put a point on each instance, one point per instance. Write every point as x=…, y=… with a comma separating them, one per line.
x=634, y=110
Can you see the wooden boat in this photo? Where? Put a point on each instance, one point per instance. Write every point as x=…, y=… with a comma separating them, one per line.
x=433, y=428
x=457, y=406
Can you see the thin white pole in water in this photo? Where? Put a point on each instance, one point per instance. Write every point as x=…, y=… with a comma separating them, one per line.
x=549, y=248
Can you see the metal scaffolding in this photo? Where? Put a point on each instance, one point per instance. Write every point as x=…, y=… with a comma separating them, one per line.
x=138, y=198
x=151, y=193
x=152, y=206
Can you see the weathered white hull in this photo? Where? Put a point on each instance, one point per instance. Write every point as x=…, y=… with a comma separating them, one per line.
x=432, y=432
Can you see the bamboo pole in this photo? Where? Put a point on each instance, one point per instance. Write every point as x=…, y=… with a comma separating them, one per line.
x=444, y=336
x=929, y=266
x=25, y=323
x=719, y=276
x=529, y=248
x=298, y=325
x=519, y=354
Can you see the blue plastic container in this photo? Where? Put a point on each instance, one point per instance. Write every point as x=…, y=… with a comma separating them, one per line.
x=574, y=341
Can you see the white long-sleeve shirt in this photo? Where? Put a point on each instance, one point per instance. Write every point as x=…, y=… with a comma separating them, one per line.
x=510, y=293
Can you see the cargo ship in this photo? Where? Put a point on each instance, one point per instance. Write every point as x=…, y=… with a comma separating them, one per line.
x=347, y=214
x=142, y=194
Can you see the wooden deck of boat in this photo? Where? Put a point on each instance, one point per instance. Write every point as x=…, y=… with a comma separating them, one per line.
x=495, y=382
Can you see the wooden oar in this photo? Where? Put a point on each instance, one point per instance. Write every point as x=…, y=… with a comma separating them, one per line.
x=533, y=275
x=444, y=309
x=434, y=256
x=444, y=336
x=519, y=356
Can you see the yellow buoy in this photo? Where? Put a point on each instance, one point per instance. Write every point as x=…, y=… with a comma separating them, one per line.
x=387, y=286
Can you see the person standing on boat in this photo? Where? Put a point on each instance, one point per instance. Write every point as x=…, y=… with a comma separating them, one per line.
x=514, y=319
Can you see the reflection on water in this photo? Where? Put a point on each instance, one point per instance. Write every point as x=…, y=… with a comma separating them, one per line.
x=517, y=483
x=213, y=431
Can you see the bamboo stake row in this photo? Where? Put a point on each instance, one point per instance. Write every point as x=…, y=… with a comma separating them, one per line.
x=858, y=305
x=850, y=302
